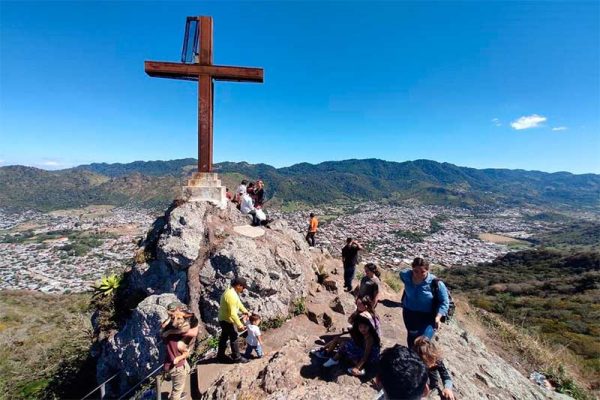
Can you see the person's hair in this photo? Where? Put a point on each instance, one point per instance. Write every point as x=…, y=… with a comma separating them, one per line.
x=250, y=185
x=244, y=182
x=227, y=189
x=349, y=240
x=367, y=301
x=357, y=337
x=402, y=373
x=312, y=215
x=239, y=281
x=427, y=350
x=373, y=268
x=420, y=262
x=254, y=317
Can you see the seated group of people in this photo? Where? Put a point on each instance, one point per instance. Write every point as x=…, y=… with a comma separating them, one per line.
x=250, y=198
x=403, y=372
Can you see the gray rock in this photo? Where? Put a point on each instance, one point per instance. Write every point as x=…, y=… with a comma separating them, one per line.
x=136, y=349
x=184, y=233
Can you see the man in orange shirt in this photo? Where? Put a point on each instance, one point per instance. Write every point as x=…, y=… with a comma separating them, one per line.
x=312, y=230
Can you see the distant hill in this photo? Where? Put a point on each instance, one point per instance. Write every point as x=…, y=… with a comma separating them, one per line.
x=155, y=183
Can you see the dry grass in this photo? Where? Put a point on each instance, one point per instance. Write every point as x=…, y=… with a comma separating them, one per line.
x=39, y=335
x=392, y=279
x=524, y=350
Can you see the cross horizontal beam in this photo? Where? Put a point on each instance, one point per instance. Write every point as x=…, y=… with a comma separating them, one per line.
x=193, y=71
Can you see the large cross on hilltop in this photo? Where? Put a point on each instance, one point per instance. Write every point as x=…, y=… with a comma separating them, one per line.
x=197, y=64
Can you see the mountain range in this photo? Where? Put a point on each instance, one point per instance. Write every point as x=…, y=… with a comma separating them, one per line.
x=156, y=183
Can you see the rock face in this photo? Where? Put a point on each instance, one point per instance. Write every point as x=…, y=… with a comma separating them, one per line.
x=192, y=254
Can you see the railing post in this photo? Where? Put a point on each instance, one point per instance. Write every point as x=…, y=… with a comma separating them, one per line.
x=158, y=382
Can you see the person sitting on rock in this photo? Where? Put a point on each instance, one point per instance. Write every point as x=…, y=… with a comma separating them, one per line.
x=241, y=189
x=230, y=306
x=370, y=283
x=254, y=339
x=247, y=208
x=431, y=357
x=363, y=304
x=401, y=375
x=228, y=194
x=363, y=347
x=259, y=194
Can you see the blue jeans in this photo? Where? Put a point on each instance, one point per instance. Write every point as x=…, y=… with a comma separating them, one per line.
x=349, y=275
x=257, y=348
x=417, y=324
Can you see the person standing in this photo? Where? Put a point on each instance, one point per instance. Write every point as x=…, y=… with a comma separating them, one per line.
x=421, y=310
x=229, y=320
x=313, y=226
x=349, y=260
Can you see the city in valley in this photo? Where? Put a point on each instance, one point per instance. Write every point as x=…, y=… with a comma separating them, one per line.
x=69, y=250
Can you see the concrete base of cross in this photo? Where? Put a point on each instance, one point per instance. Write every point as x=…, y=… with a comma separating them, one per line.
x=205, y=186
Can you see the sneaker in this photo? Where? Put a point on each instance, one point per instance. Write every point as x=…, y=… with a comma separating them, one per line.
x=361, y=372
x=241, y=360
x=330, y=363
x=224, y=359
x=319, y=353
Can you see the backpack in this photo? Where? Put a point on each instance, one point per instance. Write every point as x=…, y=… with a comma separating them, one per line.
x=436, y=302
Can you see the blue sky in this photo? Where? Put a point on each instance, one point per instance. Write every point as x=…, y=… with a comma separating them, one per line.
x=479, y=84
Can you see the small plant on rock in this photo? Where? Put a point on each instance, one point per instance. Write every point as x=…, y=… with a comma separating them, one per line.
x=299, y=306
x=107, y=285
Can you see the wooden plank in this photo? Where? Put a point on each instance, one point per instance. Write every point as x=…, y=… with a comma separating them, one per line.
x=206, y=41
x=192, y=71
x=205, y=123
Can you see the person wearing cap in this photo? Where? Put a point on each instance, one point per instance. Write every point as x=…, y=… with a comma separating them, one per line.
x=229, y=320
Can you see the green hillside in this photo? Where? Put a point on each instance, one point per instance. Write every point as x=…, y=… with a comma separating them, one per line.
x=155, y=183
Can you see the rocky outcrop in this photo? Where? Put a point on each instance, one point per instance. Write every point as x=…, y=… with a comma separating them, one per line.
x=135, y=349
x=191, y=254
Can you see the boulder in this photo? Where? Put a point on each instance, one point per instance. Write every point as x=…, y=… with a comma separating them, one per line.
x=136, y=349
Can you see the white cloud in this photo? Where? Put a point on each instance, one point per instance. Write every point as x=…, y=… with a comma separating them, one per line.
x=496, y=122
x=529, y=121
x=51, y=163
x=560, y=128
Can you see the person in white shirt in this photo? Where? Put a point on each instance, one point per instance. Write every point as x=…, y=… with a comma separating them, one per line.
x=247, y=208
x=254, y=338
x=239, y=192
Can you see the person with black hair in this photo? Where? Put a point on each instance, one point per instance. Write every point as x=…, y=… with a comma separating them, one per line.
x=229, y=320
x=422, y=309
x=313, y=226
x=401, y=375
x=369, y=284
x=363, y=347
x=349, y=260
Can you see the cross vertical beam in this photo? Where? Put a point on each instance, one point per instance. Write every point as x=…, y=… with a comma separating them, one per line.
x=201, y=68
x=205, y=97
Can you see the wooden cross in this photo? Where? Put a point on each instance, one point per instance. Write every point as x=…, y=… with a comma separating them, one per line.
x=204, y=71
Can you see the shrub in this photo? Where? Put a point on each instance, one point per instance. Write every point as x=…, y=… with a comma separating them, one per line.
x=299, y=306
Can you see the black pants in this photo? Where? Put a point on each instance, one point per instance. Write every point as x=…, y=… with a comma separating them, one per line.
x=310, y=238
x=349, y=275
x=255, y=220
x=228, y=333
x=417, y=324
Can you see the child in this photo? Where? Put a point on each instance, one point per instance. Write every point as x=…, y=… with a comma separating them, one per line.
x=431, y=357
x=363, y=347
x=254, y=339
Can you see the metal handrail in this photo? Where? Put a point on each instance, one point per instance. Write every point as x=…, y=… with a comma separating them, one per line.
x=101, y=387
x=140, y=382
